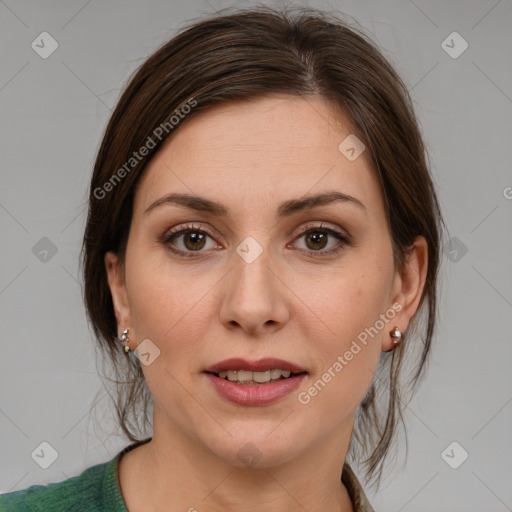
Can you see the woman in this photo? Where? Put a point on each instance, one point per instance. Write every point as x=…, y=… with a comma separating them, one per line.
x=263, y=234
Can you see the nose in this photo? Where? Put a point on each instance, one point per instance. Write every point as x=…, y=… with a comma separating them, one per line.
x=254, y=297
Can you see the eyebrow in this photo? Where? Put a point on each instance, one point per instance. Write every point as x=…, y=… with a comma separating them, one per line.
x=285, y=209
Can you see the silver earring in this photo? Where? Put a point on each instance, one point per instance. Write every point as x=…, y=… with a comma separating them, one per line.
x=124, y=340
x=396, y=335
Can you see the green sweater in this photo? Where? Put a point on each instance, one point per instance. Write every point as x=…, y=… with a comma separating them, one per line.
x=97, y=489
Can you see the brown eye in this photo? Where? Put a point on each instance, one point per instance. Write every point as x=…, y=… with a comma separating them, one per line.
x=189, y=240
x=321, y=240
x=316, y=240
x=194, y=241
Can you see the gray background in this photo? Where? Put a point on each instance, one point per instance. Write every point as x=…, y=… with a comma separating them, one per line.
x=53, y=114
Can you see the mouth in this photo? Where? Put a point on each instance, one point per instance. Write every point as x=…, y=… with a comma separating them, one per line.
x=255, y=383
x=258, y=378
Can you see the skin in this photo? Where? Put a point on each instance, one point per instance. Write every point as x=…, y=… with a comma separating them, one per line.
x=291, y=303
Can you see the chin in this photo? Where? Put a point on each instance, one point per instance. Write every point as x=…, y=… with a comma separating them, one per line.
x=258, y=451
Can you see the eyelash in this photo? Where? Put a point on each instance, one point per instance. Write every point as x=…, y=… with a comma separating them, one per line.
x=175, y=233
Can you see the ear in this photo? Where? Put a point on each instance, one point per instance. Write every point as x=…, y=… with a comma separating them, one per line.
x=408, y=287
x=116, y=283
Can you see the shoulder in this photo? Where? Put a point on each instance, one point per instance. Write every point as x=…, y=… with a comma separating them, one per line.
x=83, y=492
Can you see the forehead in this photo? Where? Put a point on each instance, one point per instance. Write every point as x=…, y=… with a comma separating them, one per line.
x=261, y=151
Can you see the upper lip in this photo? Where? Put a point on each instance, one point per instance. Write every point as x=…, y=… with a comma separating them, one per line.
x=267, y=363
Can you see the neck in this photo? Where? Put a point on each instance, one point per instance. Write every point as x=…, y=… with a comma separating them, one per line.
x=172, y=472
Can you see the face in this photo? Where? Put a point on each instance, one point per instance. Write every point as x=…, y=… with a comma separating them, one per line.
x=287, y=254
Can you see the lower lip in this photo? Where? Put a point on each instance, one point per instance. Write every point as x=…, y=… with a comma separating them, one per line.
x=256, y=394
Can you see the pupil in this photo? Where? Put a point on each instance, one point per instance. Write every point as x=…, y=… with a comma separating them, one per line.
x=195, y=239
x=318, y=239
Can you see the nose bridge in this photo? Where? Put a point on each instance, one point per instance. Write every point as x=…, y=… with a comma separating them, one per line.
x=252, y=275
x=253, y=298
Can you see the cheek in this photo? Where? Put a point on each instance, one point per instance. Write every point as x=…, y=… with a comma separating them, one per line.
x=350, y=299
x=168, y=306
x=353, y=304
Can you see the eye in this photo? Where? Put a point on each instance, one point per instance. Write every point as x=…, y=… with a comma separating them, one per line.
x=319, y=238
x=189, y=239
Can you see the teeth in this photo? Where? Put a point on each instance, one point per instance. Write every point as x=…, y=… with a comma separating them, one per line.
x=244, y=376
x=275, y=374
x=262, y=376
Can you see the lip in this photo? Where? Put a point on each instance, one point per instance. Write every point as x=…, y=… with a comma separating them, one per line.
x=267, y=363
x=255, y=394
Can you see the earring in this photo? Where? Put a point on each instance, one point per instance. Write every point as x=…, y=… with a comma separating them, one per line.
x=125, y=340
x=396, y=335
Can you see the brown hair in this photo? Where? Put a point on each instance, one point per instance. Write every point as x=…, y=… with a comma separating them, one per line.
x=239, y=56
